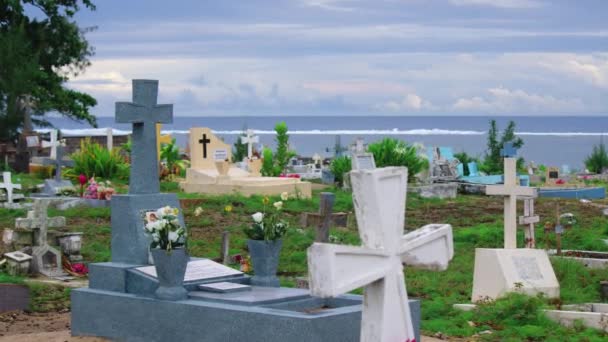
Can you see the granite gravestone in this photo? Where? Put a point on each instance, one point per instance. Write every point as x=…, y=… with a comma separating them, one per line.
x=130, y=244
x=498, y=271
x=52, y=187
x=379, y=199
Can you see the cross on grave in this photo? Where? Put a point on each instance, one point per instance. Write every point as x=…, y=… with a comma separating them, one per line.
x=529, y=219
x=46, y=259
x=58, y=162
x=316, y=158
x=53, y=144
x=379, y=197
x=250, y=139
x=510, y=190
x=144, y=114
x=8, y=185
x=204, y=141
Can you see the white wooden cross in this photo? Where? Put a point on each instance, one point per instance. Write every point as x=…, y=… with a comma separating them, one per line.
x=8, y=185
x=529, y=219
x=510, y=190
x=250, y=139
x=53, y=144
x=109, y=138
x=379, y=200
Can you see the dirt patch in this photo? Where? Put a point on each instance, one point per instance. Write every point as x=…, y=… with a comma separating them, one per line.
x=19, y=326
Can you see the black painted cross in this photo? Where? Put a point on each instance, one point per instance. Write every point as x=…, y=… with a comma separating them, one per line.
x=204, y=141
x=144, y=114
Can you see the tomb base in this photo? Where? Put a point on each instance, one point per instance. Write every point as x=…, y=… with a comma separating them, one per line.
x=53, y=187
x=119, y=305
x=499, y=271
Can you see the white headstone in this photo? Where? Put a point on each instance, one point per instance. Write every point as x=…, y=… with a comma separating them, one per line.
x=53, y=144
x=363, y=161
x=510, y=190
x=250, y=139
x=8, y=186
x=379, y=197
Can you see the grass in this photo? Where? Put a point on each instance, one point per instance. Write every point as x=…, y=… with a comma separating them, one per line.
x=477, y=222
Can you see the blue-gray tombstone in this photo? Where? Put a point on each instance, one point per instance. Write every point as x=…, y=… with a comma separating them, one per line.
x=53, y=186
x=130, y=244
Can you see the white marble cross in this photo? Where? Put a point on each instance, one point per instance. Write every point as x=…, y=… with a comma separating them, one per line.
x=109, y=138
x=379, y=198
x=8, y=185
x=53, y=144
x=510, y=190
x=529, y=219
x=250, y=139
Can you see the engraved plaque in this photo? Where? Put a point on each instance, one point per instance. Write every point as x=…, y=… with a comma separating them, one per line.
x=527, y=268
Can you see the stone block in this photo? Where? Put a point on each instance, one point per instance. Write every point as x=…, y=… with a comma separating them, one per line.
x=438, y=190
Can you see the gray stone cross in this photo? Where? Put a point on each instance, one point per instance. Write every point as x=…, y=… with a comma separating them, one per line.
x=58, y=162
x=144, y=114
x=38, y=221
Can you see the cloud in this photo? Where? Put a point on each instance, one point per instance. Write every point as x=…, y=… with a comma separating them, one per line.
x=590, y=69
x=410, y=102
x=330, y=5
x=503, y=100
x=499, y=3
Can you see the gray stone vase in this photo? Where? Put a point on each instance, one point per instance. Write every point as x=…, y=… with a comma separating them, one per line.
x=265, y=260
x=170, y=271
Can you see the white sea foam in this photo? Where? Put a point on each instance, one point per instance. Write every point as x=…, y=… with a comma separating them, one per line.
x=394, y=131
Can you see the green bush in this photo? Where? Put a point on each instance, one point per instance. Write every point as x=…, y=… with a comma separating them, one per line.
x=268, y=169
x=339, y=166
x=93, y=160
x=394, y=152
x=598, y=160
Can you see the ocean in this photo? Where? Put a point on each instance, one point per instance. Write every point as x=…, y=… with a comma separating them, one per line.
x=553, y=141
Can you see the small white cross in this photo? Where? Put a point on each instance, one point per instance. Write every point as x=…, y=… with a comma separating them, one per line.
x=510, y=190
x=379, y=199
x=53, y=144
x=8, y=185
x=250, y=139
x=529, y=219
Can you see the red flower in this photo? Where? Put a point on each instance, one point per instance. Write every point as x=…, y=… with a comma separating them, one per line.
x=82, y=179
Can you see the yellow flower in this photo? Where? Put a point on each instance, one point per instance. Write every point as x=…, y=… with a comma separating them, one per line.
x=266, y=200
x=175, y=211
x=228, y=208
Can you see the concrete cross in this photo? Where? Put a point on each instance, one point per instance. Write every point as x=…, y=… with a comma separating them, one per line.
x=529, y=219
x=58, y=162
x=37, y=220
x=8, y=185
x=508, y=150
x=250, y=139
x=379, y=199
x=204, y=141
x=316, y=158
x=144, y=114
x=53, y=144
x=109, y=138
x=359, y=146
x=510, y=190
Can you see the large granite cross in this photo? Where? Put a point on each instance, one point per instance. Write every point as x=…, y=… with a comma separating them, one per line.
x=379, y=197
x=9, y=186
x=250, y=139
x=144, y=114
x=53, y=144
x=510, y=190
x=58, y=162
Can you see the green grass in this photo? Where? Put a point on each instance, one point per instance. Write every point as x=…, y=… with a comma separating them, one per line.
x=476, y=220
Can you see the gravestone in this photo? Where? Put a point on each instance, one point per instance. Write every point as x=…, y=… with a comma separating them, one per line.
x=250, y=139
x=53, y=186
x=130, y=243
x=552, y=175
x=529, y=219
x=46, y=259
x=8, y=187
x=52, y=144
x=379, y=197
x=206, y=148
x=498, y=271
x=363, y=161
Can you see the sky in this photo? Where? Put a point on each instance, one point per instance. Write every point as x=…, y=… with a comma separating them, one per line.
x=352, y=57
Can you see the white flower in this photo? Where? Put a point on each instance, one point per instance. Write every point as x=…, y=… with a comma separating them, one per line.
x=173, y=236
x=285, y=196
x=175, y=222
x=198, y=211
x=156, y=237
x=278, y=205
x=258, y=217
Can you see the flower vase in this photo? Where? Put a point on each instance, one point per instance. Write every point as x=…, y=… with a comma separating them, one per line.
x=265, y=260
x=170, y=271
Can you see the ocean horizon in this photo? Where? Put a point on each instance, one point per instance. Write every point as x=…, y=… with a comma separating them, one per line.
x=549, y=140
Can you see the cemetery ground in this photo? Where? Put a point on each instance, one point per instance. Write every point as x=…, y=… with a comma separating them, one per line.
x=477, y=222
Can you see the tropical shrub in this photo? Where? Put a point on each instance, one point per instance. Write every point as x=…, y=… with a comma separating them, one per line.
x=493, y=160
x=283, y=154
x=339, y=166
x=173, y=162
x=394, y=152
x=597, y=161
x=268, y=169
x=94, y=160
x=465, y=159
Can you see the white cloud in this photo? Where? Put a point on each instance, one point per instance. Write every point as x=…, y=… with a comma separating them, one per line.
x=503, y=100
x=330, y=5
x=498, y=3
x=590, y=69
x=410, y=102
